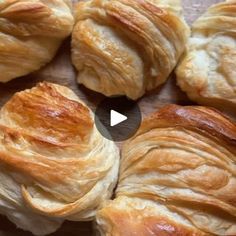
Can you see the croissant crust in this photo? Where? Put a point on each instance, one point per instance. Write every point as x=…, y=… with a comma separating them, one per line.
x=207, y=70
x=31, y=31
x=177, y=177
x=54, y=164
x=127, y=47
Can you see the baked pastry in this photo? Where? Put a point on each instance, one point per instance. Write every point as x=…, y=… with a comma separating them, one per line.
x=177, y=177
x=31, y=31
x=127, y=47
x=54, y=164
x=207, y=71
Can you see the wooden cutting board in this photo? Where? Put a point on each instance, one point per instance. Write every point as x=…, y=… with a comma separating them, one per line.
x=61, y=71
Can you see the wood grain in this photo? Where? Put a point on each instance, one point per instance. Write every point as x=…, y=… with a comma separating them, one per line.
x=61, y=71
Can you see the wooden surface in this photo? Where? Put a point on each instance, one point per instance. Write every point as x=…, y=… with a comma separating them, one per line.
x=61, y=71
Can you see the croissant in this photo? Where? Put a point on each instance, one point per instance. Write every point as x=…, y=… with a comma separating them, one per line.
x=177, y=177
x=54, y=164
x=207, y=71
x=31, y=32
x=127, y=47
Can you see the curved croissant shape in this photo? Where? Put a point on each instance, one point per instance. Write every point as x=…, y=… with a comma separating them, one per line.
x=31, y=32
x=54, y=164
x=127, y=47
x=207, y=72
x=177, y=177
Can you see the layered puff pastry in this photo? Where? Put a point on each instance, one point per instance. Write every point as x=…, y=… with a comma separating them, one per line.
x=177, y=177
x=127, y=47
x=54, y=164
x=31, y=32
x=207, y=72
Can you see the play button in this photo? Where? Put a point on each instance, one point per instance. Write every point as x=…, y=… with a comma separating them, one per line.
x=117, y=119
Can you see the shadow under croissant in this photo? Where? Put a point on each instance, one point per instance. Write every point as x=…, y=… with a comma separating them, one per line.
x=7, y=228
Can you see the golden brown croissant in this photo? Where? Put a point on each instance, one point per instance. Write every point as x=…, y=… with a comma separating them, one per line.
x=207, y=72
x=177, y=177
x=54, y=164
x=30, y=33
x=127, y=47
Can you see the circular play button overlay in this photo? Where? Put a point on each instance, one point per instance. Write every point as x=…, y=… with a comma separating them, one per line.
x=117, y=119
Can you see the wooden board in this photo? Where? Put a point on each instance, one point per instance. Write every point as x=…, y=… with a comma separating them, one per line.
x=61, y=71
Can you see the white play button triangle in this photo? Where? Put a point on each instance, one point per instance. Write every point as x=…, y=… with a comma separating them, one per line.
x=116, y=118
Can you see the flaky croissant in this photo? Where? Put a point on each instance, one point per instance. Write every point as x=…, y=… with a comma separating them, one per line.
x=31, y=31
x=127, y=47
x=177, y=177
x=54, y=164
x=207, y=72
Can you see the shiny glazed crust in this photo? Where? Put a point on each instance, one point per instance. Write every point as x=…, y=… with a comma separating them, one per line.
x=54, y=164
x=127, y=47
x=31, y=31
x=177, y=177
x=207, y=72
